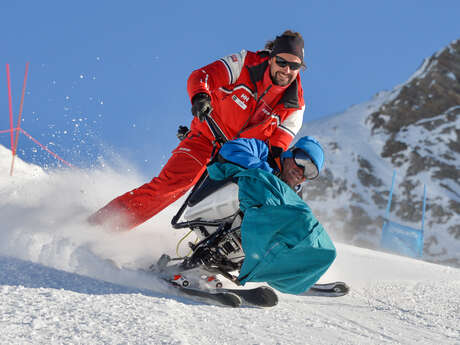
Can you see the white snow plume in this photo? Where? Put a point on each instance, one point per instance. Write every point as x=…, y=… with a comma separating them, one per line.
x=43, y=220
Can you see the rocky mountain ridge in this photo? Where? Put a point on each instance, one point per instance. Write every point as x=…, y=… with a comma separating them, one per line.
x=413, y=129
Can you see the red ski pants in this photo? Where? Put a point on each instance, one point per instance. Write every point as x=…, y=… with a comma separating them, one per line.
x=181, y=172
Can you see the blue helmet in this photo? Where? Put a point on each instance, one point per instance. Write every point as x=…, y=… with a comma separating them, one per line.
x=311, y=147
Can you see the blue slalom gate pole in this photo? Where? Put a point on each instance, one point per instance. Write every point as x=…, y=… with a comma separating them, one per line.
x=387, y=213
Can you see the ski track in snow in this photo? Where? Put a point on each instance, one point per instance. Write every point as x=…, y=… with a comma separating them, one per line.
x=60, y=284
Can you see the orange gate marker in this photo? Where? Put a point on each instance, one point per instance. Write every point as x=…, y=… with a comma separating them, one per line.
x=18, y=129
x=10, y=102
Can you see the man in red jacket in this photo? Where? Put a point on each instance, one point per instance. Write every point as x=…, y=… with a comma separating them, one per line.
x=250, y=95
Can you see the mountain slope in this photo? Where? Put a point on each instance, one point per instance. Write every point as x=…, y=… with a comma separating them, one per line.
x=413, y=129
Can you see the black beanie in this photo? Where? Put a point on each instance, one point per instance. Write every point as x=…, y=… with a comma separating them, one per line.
x=288, y=44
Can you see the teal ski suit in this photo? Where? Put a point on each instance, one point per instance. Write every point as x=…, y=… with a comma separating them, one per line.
x=283, y=242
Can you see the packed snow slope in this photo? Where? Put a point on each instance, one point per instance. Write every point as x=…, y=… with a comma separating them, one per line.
x=59, y=281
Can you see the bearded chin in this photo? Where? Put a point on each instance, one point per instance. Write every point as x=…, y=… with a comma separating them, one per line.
x=277, y=82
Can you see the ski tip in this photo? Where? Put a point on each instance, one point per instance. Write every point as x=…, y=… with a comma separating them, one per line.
x=262, y=296
x=270, y=297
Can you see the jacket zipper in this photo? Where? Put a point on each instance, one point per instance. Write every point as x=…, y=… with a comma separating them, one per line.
x=243, y=129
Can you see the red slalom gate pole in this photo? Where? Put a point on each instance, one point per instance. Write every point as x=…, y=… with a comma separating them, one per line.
x=18, y=129
x=10, y=102
x=19, y=118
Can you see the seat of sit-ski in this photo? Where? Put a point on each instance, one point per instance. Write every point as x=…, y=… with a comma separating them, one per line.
x=213, y=200
x=207, y=187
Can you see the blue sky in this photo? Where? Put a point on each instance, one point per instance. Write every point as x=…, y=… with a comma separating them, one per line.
x=110, y=76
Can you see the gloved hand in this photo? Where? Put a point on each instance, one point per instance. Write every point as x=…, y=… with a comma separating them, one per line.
x=201, y=106
x=182, y=132
x=274, y=158
x=276, y=151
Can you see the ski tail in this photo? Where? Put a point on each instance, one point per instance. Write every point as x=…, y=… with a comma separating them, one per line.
x=334, y=289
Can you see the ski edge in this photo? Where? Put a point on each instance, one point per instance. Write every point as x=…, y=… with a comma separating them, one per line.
x=221, y=298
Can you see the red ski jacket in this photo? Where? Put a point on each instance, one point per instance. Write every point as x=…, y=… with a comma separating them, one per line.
x=245, y=102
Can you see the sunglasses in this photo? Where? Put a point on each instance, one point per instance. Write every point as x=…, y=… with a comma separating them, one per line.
x=301, y=159
x=283, y=63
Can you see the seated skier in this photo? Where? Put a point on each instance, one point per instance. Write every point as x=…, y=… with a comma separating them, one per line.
x=284, y=244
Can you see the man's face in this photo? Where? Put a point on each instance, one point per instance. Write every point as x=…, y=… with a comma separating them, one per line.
x=283, y=76
x=292, y=174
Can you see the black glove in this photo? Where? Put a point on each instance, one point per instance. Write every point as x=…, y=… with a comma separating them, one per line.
x=201, y=106
x=182, y=132
x=276, y=151
x=273, y=157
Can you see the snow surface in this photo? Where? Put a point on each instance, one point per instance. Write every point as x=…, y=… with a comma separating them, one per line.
x=59, y=283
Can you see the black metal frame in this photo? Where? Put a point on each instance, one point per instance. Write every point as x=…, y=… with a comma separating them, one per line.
x=220, y=139
x=206, y=251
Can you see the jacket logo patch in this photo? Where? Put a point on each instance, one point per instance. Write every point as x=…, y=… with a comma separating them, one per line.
x=234, y=58
x=239, y=102
x=245, y=97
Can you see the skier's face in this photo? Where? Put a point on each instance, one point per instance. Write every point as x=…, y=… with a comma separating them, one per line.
x=281, y=68
x=292, y=174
